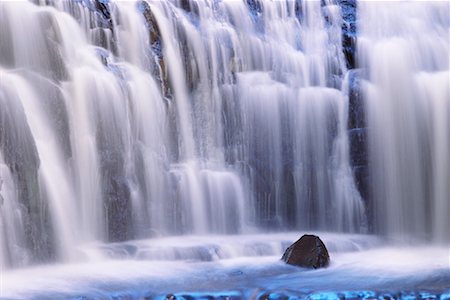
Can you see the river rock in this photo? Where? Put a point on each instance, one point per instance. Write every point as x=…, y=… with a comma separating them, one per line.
x=308, y=252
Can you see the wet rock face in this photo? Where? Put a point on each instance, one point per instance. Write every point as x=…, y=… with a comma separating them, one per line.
x=357, y=105
x=349, y=30
x=150, y=19
x=254, y=6
x=358, y=135
x=308, y=252
x=156, y=44
x=358, y=147
x=103, y=9
x=20, y=154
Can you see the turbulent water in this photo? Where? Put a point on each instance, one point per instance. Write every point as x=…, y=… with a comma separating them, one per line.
x=124, y=120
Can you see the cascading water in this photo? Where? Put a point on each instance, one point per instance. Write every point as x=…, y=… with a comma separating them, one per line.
x=146, y=118
x=408, y=114
x=138, y=137
x=122, y=121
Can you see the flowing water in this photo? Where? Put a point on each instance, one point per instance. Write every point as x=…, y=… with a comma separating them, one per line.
x=408, y=115
x=129, y=120
x=217, y=267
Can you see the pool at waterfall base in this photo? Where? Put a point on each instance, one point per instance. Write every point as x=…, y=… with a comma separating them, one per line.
x=239, y=267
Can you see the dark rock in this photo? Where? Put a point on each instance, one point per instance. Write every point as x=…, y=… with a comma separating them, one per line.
x=348, y=8
x=356, y=105
x=264, y=296
x=152, y=24
x=358, y=147
x=348, y=46
x=101, y=15
x=103, y=9
x=185, y=5
x=171, y=297
x=254, y=6
x=361, y=175
x=308, y=252
x=358, y=137
x=156, y=44
x=192, y=8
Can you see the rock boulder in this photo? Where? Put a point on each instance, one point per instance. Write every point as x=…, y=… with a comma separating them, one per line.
x=308, y=252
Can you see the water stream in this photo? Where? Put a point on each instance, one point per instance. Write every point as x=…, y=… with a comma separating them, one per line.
x=151, y=120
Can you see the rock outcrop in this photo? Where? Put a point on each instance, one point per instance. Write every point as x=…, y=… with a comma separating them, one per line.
x=308, y=252
x=358, y=135
x=348, y=8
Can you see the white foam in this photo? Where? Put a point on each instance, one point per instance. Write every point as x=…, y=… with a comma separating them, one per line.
x=377, y=265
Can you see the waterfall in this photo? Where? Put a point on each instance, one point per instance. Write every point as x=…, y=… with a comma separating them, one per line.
x=136, y=119
x=408, y=113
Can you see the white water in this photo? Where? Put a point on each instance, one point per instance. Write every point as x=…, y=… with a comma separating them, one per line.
x=218, y=120
x=53, y=178
x=225, y=265
x=143, y=134
x=405, y=49
x=11, y=220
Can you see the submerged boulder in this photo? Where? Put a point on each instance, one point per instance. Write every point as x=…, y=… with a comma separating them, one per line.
x=308, y=252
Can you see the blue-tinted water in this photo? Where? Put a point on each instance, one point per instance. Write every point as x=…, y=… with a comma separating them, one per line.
x=239, y=267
